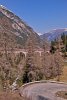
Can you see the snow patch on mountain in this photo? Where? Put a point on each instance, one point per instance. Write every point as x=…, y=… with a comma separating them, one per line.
x=55, y=33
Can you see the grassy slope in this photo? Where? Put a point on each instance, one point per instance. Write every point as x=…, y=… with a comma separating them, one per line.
x=64, y=75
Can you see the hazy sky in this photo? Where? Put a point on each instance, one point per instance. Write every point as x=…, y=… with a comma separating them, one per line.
x=41, y=15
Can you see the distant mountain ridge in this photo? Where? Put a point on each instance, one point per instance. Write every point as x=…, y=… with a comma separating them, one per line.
x=12, y=24
x=53, y=34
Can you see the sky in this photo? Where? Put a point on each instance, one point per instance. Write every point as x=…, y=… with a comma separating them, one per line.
x=42, y=15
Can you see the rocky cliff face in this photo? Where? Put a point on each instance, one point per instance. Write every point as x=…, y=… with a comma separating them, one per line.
x=12, y=24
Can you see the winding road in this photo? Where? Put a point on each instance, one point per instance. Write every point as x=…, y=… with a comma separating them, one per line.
x=42, y=91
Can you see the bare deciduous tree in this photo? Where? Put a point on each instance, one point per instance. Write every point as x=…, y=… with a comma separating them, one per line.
x=52, y=63
x=9, y=61
x=58, y=64
x=29, y=68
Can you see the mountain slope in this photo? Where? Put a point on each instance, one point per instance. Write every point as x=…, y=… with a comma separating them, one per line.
x=53, y=34
x=12, y=24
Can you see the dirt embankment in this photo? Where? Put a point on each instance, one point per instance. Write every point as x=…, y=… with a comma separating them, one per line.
x=10, y=96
